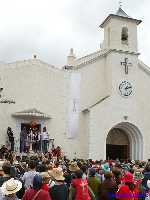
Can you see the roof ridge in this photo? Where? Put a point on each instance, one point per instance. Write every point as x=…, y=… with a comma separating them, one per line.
x=89, y=55
x=121, y=12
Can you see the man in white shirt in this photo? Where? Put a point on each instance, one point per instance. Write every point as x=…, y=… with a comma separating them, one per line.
x=45, y=140
x=28, y=176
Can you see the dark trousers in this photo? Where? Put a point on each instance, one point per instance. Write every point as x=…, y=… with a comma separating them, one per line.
x=44, y=146
x=12, y=146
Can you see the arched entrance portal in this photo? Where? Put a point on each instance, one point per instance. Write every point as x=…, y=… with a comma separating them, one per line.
x=124, y=141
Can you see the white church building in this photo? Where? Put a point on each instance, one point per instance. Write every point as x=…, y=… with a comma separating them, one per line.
x=97, y=106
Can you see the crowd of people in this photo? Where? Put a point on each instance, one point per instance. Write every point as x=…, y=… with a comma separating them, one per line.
x=51, y=176
x=31, y=139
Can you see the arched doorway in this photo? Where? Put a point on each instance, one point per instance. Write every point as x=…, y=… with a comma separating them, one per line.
x=117, y=144
x=124, y=141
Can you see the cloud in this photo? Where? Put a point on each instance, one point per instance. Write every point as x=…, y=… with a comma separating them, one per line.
x=50, y=28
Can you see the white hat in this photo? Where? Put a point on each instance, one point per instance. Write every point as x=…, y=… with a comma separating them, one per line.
x=148, y=184
x=133, y=161
x=11, y=186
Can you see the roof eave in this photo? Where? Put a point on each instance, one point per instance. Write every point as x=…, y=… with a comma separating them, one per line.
x=31, y=116
x=113, y=15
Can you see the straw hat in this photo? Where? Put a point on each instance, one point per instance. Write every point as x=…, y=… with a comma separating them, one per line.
x=73, y=167
x=45, y=175
x=57, y=174
x=11, y=186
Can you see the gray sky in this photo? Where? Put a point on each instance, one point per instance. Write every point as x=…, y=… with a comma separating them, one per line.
x=49, y=28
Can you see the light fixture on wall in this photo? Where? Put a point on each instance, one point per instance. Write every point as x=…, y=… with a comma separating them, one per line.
x=5, y=99
x=125, y=117
x=1, y=89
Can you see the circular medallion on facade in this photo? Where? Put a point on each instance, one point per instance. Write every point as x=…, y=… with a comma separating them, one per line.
x=125, y=88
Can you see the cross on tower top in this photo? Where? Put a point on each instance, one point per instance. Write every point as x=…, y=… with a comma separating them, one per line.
x=120, y=4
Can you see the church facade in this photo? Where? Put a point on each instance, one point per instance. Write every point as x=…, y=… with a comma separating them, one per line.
x=96, y=106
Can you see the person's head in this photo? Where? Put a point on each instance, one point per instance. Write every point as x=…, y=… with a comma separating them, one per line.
x=128, y=179
x=1, y=167
x=108, y=175
x=45, y=177
x=92, y=172
x=79, y=173
x=42, y=168
x=37, y=182
x=116, y=172
x=44, y=129
x=32, y=164
x=131, y=171
x=73, y=167
x=9, y=128
x=140, y=165
x=6, y=168
x=10, y=187
x=147, y=168
x=24, y=128
x=57, y=175
x=84, y=168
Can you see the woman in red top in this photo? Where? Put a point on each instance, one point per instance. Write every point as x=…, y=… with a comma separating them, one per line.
x=81, y=187
x=36, y=192
x=127, y=190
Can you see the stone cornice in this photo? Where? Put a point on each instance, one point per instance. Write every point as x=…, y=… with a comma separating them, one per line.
x=101, y=100
x=92, y=59
x=97, y=55
x=119, y=17
x=144, y=67
x=27, y=63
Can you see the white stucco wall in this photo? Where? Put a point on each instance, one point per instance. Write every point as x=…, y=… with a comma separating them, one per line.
x=93, y=79
x=34, y=84
x=112, y=110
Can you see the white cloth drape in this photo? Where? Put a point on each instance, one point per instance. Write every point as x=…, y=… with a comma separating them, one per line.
x=74, y=105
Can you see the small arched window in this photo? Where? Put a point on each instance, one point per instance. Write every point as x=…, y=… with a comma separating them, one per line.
x=124, y=35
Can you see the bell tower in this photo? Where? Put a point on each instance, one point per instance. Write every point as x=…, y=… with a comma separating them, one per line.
x=120, y=32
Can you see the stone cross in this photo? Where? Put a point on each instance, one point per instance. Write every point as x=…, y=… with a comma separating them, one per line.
x=126, y=65
x=83, y=186
x=74, y=105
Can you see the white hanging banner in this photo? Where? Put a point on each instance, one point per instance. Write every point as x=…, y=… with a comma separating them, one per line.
x=74, y=105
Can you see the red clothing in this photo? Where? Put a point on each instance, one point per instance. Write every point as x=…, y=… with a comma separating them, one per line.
x=45, y=187
x=124, y=193
x=30, y=193
x=81, y=186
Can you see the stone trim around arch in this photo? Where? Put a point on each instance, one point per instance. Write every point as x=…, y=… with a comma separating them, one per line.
x=135, y=139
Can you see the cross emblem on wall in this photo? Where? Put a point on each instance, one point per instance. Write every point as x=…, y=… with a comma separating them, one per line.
x=74, y=105
x=126, y=65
